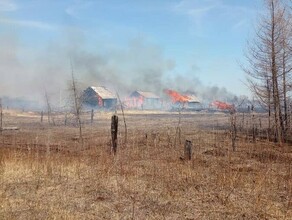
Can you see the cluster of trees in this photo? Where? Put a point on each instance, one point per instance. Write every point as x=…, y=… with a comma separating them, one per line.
x=269, y=68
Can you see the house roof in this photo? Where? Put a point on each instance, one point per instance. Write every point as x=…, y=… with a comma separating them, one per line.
x=193, y=98
x=148, y=95
x=103, y=92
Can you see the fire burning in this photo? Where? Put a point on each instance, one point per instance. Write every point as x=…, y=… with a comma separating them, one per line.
x=134, y=102
x=222, y=105
x=143, y=100
x=176, y=97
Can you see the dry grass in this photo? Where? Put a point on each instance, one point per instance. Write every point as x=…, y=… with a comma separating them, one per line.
x=46, y=174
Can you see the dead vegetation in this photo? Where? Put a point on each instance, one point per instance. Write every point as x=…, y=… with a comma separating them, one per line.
x=45, y=173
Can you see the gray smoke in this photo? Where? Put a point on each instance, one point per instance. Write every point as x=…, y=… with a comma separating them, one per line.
x=29, y=73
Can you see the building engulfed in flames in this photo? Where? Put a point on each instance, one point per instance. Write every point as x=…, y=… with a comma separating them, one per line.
x=99, y=97
x=222, y=105
x=185, y=100
x=143, y=100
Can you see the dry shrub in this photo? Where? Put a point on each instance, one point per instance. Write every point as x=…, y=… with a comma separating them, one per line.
x=146, y=179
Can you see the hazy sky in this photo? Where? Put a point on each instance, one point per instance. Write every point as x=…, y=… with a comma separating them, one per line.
x=201, y=39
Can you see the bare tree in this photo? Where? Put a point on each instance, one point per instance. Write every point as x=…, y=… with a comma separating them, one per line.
x=267, y=63
x=233, y=122
x=124, y=119
x=49, y=109
x=287, y=66
x=77, y=99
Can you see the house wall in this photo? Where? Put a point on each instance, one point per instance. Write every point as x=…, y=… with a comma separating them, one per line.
x=90, y=97
x=150, y=103
x=144, y=103
x=109, y=103
x=138, y=101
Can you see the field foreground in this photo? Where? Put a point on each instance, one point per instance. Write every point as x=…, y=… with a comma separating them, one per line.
x=46, y=172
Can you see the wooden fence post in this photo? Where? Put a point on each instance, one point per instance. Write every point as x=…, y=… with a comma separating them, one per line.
x=233, y=128
x=114, y=132
x=91, y=117
x=188, y=150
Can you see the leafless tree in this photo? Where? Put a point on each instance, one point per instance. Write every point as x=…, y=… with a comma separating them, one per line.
x=286, y=65
x=77, y=99
x=268, y=63
x=124, y=119
x=49, y=109
x=233, y=121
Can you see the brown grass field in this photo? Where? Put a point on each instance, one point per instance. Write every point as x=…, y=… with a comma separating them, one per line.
x=47, y=173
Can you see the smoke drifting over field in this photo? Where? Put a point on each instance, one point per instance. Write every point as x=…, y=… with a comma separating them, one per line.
x=139, y=66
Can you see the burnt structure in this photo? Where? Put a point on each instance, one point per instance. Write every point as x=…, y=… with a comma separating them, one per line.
x=99, y=97
x=193, y=101
x=182, y=100
x=143, y=100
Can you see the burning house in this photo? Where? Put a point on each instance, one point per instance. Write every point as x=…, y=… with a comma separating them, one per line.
x=99, y=97
x=193, y=101
x=222, y=106
x=177, y=99
x=143, y=100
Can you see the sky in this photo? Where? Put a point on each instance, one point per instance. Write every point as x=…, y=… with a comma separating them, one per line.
x=130, y=44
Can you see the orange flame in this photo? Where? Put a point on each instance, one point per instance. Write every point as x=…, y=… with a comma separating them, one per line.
x=222, y=105
x=134, y=102
x=176, y=97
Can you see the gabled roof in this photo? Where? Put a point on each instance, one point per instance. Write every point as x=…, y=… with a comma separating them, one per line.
x=103, y=92
x=149, y=95
x=193, y=98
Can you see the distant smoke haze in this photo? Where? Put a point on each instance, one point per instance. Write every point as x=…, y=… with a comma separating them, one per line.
x=140, y=66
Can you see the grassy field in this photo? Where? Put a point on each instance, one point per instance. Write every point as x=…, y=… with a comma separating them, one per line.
x=47, y=173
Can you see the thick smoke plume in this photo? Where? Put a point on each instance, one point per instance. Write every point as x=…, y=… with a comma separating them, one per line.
x=28, y=73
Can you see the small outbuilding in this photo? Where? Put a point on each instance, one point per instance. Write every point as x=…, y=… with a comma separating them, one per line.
x=99, y=96
x=193, y=101
x=143, y=100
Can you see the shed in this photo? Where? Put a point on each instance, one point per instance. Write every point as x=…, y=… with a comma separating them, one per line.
x=143, y=100
x=193, y=101
x=99, y=96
